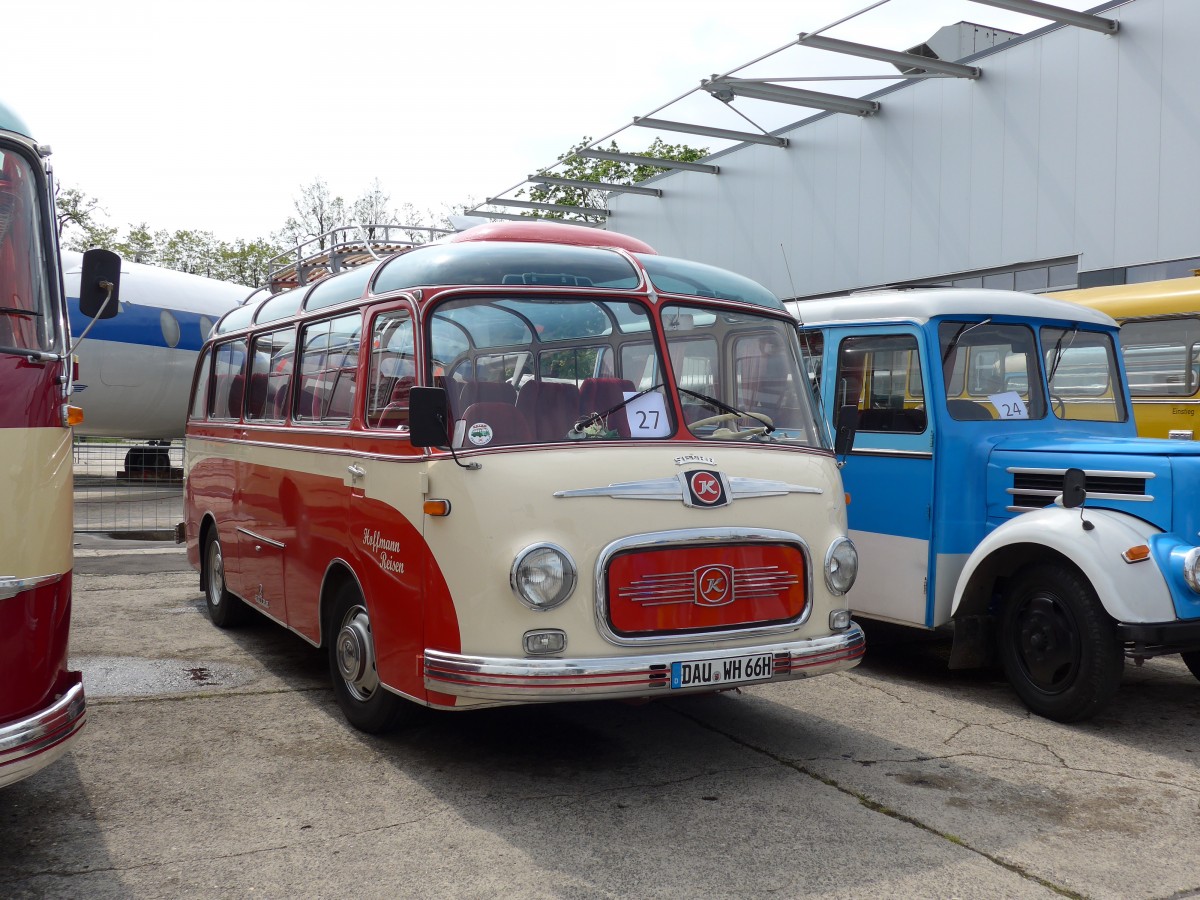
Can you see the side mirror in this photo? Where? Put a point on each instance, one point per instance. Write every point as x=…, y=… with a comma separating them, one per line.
x=845, y=426
x=428, y=417
x=98, y=284
x=1074, y=490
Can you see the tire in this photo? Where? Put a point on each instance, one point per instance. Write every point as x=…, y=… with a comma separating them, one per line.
x=1058, y=645
x=364, y=701
x=1191, y=659
x=224, y=608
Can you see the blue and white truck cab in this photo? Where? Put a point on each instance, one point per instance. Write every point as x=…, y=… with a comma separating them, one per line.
x=998, y=488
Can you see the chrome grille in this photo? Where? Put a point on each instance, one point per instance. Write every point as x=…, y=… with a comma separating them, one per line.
x=680, y=587
x=1037, y=488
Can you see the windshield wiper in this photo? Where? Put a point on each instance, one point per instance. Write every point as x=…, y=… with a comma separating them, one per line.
x=1059, y=352
x=17, y=311
x=733, y=410
x=579, y=429
x=967, y=326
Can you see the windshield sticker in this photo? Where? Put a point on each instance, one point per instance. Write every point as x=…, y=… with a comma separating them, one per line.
x=647, y=415
x=479, y=434
x=1009, y=405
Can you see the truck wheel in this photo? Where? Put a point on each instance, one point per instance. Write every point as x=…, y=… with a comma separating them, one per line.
x=1057, y=644
x=224, y=609
x=1191, y=659
x=365, y=703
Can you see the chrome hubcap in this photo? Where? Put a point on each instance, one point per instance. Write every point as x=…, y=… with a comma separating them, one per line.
x=216, y=574
x=356, y=655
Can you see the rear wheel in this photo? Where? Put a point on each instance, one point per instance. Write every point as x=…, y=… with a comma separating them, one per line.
x=1058, y=645
x=224, y=608
x=364, y=701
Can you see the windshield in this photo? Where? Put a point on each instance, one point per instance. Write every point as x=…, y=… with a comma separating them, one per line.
x=1081, y=369
x=740, y=376
x=532, y=370
x=987, y=369
x=27, y=321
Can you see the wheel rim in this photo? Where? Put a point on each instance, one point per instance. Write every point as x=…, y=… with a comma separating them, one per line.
x=216, y=574
x=355, y=654
x=1047, y=643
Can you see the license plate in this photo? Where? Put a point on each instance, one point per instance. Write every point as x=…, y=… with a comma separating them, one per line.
x=717, y=672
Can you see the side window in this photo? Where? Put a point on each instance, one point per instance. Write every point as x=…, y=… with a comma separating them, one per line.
x=328, y=368
x=199, y=404
x=393, y=370
x=877, y=374
x=228, y=381
x=1161, y=357
x=270, y=375
x=639, y=364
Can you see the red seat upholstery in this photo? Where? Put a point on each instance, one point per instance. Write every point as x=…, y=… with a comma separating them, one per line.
x=493, y=425
x=551, y=407
x=484, y=392
x=395, y=414
x=279, y=404
x=599, y=394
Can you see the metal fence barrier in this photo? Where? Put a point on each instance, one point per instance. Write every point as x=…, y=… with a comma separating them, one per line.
x=128, y=487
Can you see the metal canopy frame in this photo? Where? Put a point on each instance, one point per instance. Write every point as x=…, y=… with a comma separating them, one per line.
x=514, y=217
x=548, y=207
x=725, y=89
x=898, y=58
x=595, y=185
x=1057, y=14
x=687, y=128
x=654, y=161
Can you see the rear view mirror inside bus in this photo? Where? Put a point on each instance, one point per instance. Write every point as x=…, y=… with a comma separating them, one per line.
x=428, y=417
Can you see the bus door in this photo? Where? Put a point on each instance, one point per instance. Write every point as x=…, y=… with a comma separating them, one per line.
x=889, y=473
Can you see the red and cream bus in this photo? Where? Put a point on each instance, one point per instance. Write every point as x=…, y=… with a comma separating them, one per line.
x=42, y=707
x=531, y=462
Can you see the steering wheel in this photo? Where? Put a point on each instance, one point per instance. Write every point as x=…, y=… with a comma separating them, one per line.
x=1056, y=400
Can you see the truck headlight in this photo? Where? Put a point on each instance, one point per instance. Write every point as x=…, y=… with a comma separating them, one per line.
x=841, y=566
x=1191, y=569
x=543, y=576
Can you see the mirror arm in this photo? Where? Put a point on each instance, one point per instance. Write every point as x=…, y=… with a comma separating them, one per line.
x=108, y=289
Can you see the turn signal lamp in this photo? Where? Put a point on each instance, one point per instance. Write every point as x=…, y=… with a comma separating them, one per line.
x=437, y=507
x=1136, y=554
x=839, y=619
x=72, y=415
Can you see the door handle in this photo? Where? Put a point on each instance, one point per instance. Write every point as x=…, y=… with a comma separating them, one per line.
x=356, y=471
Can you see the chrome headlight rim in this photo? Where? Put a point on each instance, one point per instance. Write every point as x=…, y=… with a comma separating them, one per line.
x=1191, y=569
x=829, y=570
x=570, y=576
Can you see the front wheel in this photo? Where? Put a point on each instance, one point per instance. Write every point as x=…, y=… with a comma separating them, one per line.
x=1191, y=659
x=1058, y=645
x=365, y=703
x=224, y=608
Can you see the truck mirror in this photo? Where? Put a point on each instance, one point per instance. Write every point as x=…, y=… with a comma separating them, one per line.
x=98, y=284
x=846, y=425
x=1074, y=490
x=428, y=417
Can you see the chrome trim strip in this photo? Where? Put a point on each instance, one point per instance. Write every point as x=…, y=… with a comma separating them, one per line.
x=10, y=585
x=258, y=537
x=1098, y=473
x=908, y=454
x=663, y=540
x=31, y=744
x=555, y=679
x=1091, y=495
x=675, y=488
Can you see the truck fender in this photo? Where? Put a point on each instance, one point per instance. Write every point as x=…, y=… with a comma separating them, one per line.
x=1130, y=592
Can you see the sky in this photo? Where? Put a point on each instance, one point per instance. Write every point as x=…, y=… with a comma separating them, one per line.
x=213, y=116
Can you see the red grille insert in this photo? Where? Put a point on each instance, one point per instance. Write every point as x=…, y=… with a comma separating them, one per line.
x=705, y=588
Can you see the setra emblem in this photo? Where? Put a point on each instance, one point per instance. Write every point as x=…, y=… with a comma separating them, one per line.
x=706, y=488
x=714, y=585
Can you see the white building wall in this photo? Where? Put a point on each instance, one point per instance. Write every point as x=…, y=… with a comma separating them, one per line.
x=1073, y=143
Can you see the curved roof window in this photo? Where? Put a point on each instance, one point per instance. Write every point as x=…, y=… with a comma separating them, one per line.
x=235, y=319
x=279, y=306
x=339, y=288
x=680, y=276
x=490, y=263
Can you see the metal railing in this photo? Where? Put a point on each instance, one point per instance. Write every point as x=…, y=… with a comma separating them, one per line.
x=128, y=487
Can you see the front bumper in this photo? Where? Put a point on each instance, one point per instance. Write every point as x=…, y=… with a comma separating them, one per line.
x=1159, y=638
x=550, y=680
x=30, y=744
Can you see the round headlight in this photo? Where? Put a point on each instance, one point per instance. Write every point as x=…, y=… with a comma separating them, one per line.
x=1191, y=569
x=543, y=576
x=841, y=566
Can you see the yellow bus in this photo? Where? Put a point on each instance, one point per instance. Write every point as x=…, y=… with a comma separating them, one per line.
x=1160, y=340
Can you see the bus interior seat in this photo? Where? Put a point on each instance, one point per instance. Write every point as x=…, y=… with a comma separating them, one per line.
x=551, y=407
x=395, y=414
x=507, y=423
x=484, y=392
x=256, y=401
x=599, y=394
x=967, y=411
x=237, y=388
x=341, y=395
x=279, y=403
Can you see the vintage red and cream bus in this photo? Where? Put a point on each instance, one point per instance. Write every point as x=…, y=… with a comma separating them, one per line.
x=42, y=707
x=532, y=462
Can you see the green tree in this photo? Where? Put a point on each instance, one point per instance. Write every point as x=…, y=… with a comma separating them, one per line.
x=139, y=245
x=245, y=262
x=581, y=168
x=317, y=212
x=79, y=224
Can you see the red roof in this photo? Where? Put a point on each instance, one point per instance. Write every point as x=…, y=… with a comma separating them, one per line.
x=551, y=233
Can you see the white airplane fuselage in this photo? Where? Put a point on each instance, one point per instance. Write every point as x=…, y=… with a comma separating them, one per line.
x=135, y=369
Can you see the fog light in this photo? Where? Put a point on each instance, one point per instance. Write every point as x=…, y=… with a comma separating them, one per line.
x=539, y=643
x=1191, y=569
x=543, y=576
x=841, y=566
x=839, y=619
